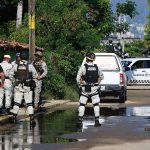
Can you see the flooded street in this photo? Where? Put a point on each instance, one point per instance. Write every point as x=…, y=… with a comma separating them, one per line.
x=121, y=123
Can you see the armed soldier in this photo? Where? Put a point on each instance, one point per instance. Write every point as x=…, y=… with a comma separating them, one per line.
x=23, y=74
x=8, y=87
x=41, y=69
x=17, y=59
x=110, y=47
x=88, y=79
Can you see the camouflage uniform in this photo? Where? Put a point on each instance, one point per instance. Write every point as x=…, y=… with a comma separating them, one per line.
x=8, y=87
x=41, y=69
x=90, y=91
x=2, y=78
x=22, y=75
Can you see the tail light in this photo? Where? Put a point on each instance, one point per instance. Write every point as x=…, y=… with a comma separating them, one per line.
x=122, y=79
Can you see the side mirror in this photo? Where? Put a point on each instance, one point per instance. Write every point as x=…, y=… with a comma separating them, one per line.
x=127, y=69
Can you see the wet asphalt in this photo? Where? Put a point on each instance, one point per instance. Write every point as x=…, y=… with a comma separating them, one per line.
x=124, y=126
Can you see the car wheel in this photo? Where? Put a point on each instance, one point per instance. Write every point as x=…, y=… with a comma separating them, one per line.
x=123, y=97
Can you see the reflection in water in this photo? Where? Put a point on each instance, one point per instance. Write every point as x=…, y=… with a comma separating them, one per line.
x=107, y=111
x=21, y=139
x=48, y=129
x=138, y=111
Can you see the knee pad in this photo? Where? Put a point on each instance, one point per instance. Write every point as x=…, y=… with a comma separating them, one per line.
x=30, y=110
x=96, y=110
x=81, y=110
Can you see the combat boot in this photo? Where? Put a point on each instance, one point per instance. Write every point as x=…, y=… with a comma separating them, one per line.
x=97, y=123
x=32, y=121
x=14, y=116
x=6, y=111
x=79, y=122
x=1, y=111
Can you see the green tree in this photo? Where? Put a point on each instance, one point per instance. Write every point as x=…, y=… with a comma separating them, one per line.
x=66, y=29
x=135, y=48
x=147, y=31
x=127, y=8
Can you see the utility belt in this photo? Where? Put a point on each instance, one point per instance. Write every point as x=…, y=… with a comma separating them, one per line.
x=30, y=83
x=88, y=86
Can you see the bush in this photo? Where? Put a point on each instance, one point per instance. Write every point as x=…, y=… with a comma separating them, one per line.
x=71, y=93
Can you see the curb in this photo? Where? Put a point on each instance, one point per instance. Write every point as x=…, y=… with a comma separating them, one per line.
x=48, y=105
x=4, y=119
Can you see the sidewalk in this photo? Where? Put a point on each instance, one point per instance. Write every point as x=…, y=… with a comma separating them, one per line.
x=140, y=87
x=23, y=113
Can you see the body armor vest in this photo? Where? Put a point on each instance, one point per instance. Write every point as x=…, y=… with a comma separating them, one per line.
x=22, y=74
x=91, y=75
x=38, y=67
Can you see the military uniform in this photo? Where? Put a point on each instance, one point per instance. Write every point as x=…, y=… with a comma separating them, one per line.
x=22, y=75
x=17, y=59
x=8, y=87
x=41, y=69
x=2, y=78
x=88, y=79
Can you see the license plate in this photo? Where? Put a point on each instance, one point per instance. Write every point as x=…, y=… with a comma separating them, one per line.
x=102, y=88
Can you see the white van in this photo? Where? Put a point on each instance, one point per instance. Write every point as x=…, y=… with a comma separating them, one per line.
x=114, y=82
x=137, y=70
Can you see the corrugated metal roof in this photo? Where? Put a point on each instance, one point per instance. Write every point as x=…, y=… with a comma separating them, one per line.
x=6, y=44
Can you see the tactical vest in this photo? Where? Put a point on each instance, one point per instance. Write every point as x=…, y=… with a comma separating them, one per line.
x=22, y=74
x=38, y=67
x=91, y=75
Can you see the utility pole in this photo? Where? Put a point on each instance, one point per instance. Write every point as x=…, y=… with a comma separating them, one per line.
x=31, y=12
x=121, y=34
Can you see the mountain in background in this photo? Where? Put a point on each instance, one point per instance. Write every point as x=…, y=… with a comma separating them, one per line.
x=138, y=22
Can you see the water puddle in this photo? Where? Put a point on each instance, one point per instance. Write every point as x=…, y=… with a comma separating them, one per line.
x=50, y=127
x=138, y=111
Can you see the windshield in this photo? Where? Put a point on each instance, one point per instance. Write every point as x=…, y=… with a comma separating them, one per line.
x=126, y=63
x=107, y=63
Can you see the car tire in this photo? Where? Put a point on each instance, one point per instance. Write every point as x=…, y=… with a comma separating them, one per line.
x=123, y=97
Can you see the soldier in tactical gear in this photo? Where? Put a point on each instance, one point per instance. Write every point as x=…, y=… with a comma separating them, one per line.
x=88, y=79
x=110, y=47
x=8, y=87
x=22, y=74
x=17, y=59
x=41, y=69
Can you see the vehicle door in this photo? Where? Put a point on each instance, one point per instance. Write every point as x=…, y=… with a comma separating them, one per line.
x=138, y=73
